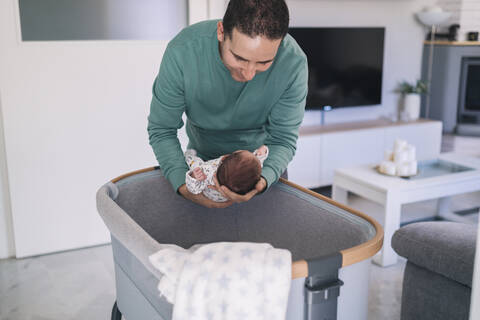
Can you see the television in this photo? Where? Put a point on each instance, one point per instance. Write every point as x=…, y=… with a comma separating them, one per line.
x=345, y=66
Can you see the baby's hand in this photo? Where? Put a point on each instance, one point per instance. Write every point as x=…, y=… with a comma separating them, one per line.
x=198, y=174
x=261, y=151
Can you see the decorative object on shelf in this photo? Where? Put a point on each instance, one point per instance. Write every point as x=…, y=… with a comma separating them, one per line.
x=432, y=17
x=472, y=36
x=452, y=34
x=401, y=162
x=411, y=99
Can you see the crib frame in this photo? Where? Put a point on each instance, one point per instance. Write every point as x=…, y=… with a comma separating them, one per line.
x=322, y=284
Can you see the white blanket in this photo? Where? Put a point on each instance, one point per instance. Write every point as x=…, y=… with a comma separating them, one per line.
x=225, y=280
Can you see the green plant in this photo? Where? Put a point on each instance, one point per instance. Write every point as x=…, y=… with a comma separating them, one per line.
x=406, y=87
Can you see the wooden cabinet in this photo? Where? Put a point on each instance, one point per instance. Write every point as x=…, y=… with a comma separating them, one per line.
x=322, y=149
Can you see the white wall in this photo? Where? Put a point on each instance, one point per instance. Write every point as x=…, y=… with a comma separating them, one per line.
x=74, y=116
x=7, y=245
x=464, y=12
x=403, y=45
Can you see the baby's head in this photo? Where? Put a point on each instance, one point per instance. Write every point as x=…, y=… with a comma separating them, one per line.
x=239, y=171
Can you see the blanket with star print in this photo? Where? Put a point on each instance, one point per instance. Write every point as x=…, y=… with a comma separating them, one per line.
x=225, y=280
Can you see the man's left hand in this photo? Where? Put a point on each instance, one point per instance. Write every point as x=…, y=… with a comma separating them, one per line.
x=235, y=197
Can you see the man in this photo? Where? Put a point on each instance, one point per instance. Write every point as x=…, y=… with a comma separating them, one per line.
x=242, y=83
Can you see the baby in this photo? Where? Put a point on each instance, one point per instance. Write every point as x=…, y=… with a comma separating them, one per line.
x=239, y=171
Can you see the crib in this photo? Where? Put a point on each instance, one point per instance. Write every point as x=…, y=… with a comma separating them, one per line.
x=331, y=244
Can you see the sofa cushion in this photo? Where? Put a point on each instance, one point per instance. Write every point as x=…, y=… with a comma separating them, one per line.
x=447, y=248
x=428, y=295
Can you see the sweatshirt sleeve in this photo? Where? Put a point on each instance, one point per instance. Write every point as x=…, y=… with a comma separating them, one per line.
x=166, y=109
x=283, y=125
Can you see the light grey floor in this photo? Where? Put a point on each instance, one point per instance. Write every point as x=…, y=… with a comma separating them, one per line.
x=79, y=284
x=76, y=284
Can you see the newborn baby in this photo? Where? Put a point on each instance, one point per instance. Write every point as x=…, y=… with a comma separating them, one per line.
x=239, y=171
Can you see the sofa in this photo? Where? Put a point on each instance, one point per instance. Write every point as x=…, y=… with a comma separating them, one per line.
x=438, y=275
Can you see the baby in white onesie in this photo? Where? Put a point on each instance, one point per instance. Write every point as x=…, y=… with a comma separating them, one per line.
x=239, y=171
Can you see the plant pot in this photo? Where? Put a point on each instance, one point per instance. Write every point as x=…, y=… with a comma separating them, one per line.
x=411, y=106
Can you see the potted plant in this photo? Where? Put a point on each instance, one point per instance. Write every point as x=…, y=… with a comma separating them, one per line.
x=411, y=97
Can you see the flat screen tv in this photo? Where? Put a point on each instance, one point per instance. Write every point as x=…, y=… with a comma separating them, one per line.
x=345, y=66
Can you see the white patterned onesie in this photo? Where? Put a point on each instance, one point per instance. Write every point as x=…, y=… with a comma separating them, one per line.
x=209, y=168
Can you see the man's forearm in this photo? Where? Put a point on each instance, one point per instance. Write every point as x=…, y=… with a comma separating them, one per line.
x=276, y=163
x=169, y=154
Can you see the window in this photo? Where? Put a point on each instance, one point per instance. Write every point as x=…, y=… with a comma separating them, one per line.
x=53, y=20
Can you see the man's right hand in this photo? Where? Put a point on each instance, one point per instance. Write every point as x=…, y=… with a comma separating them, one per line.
x=201, y=199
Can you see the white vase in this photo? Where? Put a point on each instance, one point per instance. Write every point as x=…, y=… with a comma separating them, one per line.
x=411, y=106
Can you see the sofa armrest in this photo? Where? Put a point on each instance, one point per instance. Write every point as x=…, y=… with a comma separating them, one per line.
x=447, y=248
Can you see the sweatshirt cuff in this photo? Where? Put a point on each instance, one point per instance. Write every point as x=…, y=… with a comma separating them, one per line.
x=177, y=178
x=269, y=176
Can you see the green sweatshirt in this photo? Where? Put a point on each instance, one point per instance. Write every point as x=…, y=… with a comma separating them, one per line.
x=224, y=115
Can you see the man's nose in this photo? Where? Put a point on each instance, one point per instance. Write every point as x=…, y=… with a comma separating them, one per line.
x=249, y=72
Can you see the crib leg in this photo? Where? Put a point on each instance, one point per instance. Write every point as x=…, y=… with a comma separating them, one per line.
x=116, y=314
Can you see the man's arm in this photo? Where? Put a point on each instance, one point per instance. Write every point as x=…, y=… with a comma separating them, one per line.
x=166, y=109
x=283, y=125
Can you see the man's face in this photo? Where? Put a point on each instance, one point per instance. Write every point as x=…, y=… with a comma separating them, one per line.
x=243, y=56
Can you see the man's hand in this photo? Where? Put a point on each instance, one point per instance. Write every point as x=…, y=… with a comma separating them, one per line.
x=235, y=197
x=201, y=199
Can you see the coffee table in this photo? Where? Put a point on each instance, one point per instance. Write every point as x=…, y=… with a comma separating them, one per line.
x=448, y=175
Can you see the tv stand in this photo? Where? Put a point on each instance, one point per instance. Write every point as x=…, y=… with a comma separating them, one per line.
x=323, y=148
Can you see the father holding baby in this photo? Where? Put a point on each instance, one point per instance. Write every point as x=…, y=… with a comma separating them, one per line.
x=242, y=83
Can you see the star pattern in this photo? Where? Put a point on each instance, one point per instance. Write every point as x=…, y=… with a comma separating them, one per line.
x=226, y=280
x=223, y=282
x=244, y=273
x=208, y=255
x=247, y=253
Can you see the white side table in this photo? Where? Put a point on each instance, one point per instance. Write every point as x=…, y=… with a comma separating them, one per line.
x=446, y=176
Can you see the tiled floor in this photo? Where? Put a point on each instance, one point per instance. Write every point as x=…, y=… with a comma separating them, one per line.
x=79, y=284
x=75, y=285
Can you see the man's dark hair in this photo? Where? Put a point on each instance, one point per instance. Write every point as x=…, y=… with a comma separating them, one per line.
x=268, y=18
x=239, y=173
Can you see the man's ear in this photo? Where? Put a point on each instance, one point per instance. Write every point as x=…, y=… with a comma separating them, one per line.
x=220, y=33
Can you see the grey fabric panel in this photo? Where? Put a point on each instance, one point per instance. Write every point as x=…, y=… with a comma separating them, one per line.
x=429, y=296
x=129, y=233
x=130, y=300
x=447, y=248
x=285, y=221
x=277, y=217
x=169, y=218
x=145, y=282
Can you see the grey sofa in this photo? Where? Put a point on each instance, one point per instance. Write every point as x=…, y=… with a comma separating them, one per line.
x=438, y=276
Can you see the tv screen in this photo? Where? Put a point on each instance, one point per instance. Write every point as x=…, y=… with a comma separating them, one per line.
x=345, y=65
